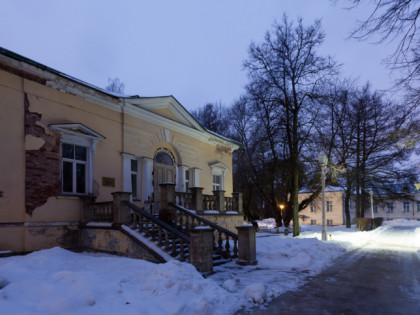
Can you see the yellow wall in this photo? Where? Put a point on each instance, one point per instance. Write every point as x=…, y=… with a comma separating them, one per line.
x=141, y=138
x=336, y=215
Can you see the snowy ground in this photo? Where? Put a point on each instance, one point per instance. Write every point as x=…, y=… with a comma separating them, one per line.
x=57, y=281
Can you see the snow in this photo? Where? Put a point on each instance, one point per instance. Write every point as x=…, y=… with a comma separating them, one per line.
x=59, y=281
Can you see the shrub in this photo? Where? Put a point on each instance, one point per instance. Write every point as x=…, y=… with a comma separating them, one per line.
x=368, y=224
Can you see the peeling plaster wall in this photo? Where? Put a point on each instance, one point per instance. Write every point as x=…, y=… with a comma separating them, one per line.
x=42, y=178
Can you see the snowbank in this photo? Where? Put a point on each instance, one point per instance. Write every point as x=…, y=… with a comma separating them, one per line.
x=57, y=281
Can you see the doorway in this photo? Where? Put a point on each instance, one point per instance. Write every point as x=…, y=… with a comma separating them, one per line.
x=164, y=171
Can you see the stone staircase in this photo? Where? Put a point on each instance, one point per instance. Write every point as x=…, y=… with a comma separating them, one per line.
x=173, y=236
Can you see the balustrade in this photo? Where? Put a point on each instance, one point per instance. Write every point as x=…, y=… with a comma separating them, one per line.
x=183, y=199
x=166, y=236
x=187, y=221
x=209, y=202
x=100, y=212
x=230, y=204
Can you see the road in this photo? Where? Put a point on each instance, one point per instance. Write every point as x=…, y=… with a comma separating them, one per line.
x=370, y=280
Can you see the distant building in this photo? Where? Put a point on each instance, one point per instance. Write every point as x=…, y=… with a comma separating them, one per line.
x=391, y=202
x=334, y=208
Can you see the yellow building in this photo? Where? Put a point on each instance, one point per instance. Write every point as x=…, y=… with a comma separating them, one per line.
x=334, y=208
x=398, y=201
x=62, y=139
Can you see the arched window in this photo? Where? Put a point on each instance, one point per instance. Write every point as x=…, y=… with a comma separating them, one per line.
x=164, y=158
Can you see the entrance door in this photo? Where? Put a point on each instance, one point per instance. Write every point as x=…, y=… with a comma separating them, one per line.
x=163, y=172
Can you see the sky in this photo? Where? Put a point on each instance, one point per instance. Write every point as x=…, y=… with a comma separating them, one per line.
x=193, y=50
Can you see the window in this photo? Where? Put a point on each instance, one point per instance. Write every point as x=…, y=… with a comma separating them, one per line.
x=187, y=180
x=74, y=168
x=164, y=158
x=78, y=145
x=217, y=180
x=313, y=207
x=375, y=208
x=330, y=222
x=406, y=206
x=418, y=206
x=134, y=179
x=218, y=172
x=389, y=207
x=329, y=206
x=313, y=222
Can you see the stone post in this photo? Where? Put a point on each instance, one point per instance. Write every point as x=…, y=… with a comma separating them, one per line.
x=197, y=199
x=86, y=216
x=247, y=245
x=219, y=201
x=239, y=201
x=201, y=249
x=167, y=196
x=121, y=212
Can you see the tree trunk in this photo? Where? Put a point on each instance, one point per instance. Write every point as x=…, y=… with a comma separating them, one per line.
x=347, y=203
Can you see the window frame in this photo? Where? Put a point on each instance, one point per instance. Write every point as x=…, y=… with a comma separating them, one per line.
x=74, y=162
x=329, y=206
x=390, y=207
x=218, y=169
x=187, y=180
x=406, y=209
x=79, y=135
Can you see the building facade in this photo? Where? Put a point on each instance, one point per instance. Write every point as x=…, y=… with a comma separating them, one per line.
x=63, y=139
x=395, y=202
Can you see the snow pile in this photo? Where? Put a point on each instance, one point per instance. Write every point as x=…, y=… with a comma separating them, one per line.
x=309, y=254
x=57, y=281
x=267, y=224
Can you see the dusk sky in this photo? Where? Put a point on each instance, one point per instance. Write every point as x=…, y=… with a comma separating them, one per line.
x=193, y=50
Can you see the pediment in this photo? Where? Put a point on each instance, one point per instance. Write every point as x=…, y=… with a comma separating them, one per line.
x=76, y=130
x=219, y=165
x=167, y=107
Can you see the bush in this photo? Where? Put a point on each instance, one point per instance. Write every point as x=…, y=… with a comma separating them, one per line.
x=368, y=224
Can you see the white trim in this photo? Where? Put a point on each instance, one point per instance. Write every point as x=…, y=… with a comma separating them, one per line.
x=87, y=138
x=219, y=169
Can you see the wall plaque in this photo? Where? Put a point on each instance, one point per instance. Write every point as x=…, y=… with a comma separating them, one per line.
x=108, y=182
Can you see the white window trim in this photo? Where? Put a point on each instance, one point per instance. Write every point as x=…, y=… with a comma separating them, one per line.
x=127, y=158
x=406, y=203
x=219, y=168
x=79, y=134
x=329, y=202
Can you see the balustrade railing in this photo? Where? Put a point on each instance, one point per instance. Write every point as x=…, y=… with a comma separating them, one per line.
x=186, y=220
x=100, y=212
x=209, y=202
x=183, y=199
x=230, y=204
x=169, y=238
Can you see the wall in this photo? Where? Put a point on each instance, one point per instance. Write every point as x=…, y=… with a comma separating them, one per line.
x=116, y=242
x=227, y=221
x=337, y=215
x=143, y=139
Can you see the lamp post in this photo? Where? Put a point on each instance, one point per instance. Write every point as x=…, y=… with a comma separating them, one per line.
x=371, y=202
x=323, y=160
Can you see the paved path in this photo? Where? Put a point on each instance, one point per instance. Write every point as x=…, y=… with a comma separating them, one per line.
x=364, y=282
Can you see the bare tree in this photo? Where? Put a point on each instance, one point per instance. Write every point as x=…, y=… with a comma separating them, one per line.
x=115, y=85
x=286, y=79
x=214, y=117
x=396, y=20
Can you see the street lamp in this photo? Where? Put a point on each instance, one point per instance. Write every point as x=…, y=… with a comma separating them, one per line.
x=371, y=202
x=323, y=160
